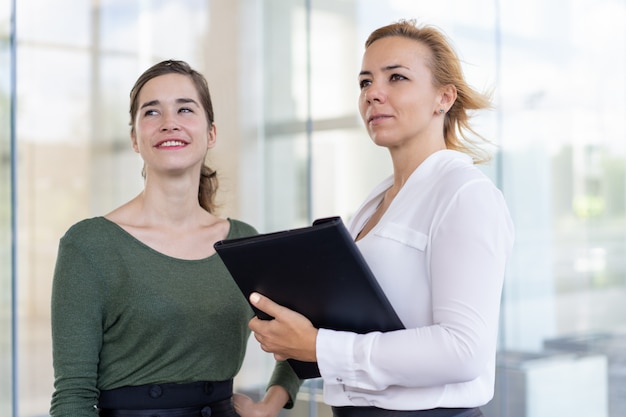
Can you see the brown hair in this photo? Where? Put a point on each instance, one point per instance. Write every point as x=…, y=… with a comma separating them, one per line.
x=446, y=69
x=208, y=176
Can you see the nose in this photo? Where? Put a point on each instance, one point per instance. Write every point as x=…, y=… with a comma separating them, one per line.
x=169, y=122
x=374, y=93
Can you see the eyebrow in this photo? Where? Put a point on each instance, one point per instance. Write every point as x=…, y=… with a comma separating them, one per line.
x=183, y=100
x=387, y=68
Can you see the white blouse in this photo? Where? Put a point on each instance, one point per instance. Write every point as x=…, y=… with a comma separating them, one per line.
x=439, y=253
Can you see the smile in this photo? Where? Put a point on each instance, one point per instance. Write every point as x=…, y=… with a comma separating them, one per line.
x=171, y=144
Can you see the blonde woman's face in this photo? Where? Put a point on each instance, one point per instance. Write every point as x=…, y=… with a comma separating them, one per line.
x=398, y=102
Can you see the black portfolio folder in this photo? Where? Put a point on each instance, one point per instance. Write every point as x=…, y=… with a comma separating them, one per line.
x=317, y=271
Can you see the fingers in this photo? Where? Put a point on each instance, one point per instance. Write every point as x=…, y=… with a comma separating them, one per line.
x=288, y=335
x=258, y=327
x=242, y=403
x=270, y=348
x=265, y=331
x=265, y=304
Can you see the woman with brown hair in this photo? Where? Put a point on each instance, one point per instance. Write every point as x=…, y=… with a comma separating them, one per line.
x=146, y=320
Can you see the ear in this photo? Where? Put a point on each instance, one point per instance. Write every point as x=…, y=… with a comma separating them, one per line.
x=447, y=96
x=133, y=140
x=212, y=136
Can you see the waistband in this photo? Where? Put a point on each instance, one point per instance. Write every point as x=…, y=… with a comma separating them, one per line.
x=222, y=408
x=379, y=412
x=164, y=396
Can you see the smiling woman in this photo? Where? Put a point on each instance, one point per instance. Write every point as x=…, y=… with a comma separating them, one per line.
x=146, y=274
x=195, y=86
x=171, y=119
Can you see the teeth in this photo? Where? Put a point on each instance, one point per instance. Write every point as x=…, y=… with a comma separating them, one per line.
x=172, y=143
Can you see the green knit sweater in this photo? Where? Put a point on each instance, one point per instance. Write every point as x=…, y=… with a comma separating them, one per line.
x=124, y=314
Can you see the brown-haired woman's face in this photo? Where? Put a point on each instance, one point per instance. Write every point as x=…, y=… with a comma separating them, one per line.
x=398, y=102
x=171, y=129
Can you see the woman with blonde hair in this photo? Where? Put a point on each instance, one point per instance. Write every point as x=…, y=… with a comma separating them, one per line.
x=437, y=235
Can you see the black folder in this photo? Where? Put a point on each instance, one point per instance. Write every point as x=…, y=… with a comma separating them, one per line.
x=317, y=271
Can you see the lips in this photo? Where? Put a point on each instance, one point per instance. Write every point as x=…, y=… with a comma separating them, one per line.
x=376, y=118
x=171, y=143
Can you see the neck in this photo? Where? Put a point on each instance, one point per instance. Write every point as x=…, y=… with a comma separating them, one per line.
x=405, y=161
x=171, y=200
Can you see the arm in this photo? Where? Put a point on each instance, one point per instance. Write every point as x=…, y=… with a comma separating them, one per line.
x=274, y=400
x=76, y=334
x=454, y=308
x=281, y=393
x=282, y=387
x=456, y=339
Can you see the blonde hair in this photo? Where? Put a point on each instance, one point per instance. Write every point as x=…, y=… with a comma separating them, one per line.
x=446, y=69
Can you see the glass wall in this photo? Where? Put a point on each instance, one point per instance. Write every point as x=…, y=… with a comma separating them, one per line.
x=291, y=148
x=6, y=208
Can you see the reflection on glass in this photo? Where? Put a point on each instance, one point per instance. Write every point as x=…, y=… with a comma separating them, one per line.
x=6, y=212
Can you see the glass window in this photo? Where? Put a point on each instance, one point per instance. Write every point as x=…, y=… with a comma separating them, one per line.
x=6, y=211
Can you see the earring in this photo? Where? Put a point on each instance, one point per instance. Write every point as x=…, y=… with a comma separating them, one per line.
x=441, y=111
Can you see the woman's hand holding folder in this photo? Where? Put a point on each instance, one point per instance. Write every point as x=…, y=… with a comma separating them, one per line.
x=289, y=335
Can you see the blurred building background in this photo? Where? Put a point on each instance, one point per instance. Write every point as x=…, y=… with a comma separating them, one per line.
x=291, y=148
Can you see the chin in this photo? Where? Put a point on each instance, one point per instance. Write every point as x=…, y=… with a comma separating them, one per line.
x=382, y=141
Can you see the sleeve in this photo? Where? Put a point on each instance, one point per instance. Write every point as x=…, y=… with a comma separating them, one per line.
x=285, y=377
x=240, y=229
x=468, y=248
x=76, y=312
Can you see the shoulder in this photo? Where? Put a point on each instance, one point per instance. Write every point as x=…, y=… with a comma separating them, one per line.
x=455, y=165
x=453, y=172
x=91, y=233
x=450, y=179
x=240, y=229
x=85, y=228
x=464, y=186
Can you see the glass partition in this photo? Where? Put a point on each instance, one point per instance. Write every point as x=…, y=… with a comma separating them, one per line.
x=7, y=65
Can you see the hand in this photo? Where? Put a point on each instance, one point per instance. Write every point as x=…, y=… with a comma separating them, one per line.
x=275, y=399
x=245, y=406
x=289, y=335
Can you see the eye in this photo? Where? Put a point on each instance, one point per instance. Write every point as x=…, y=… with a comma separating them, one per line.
x=364, y=83
x=150, y=112
x=185, y=110
x=397, y=77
